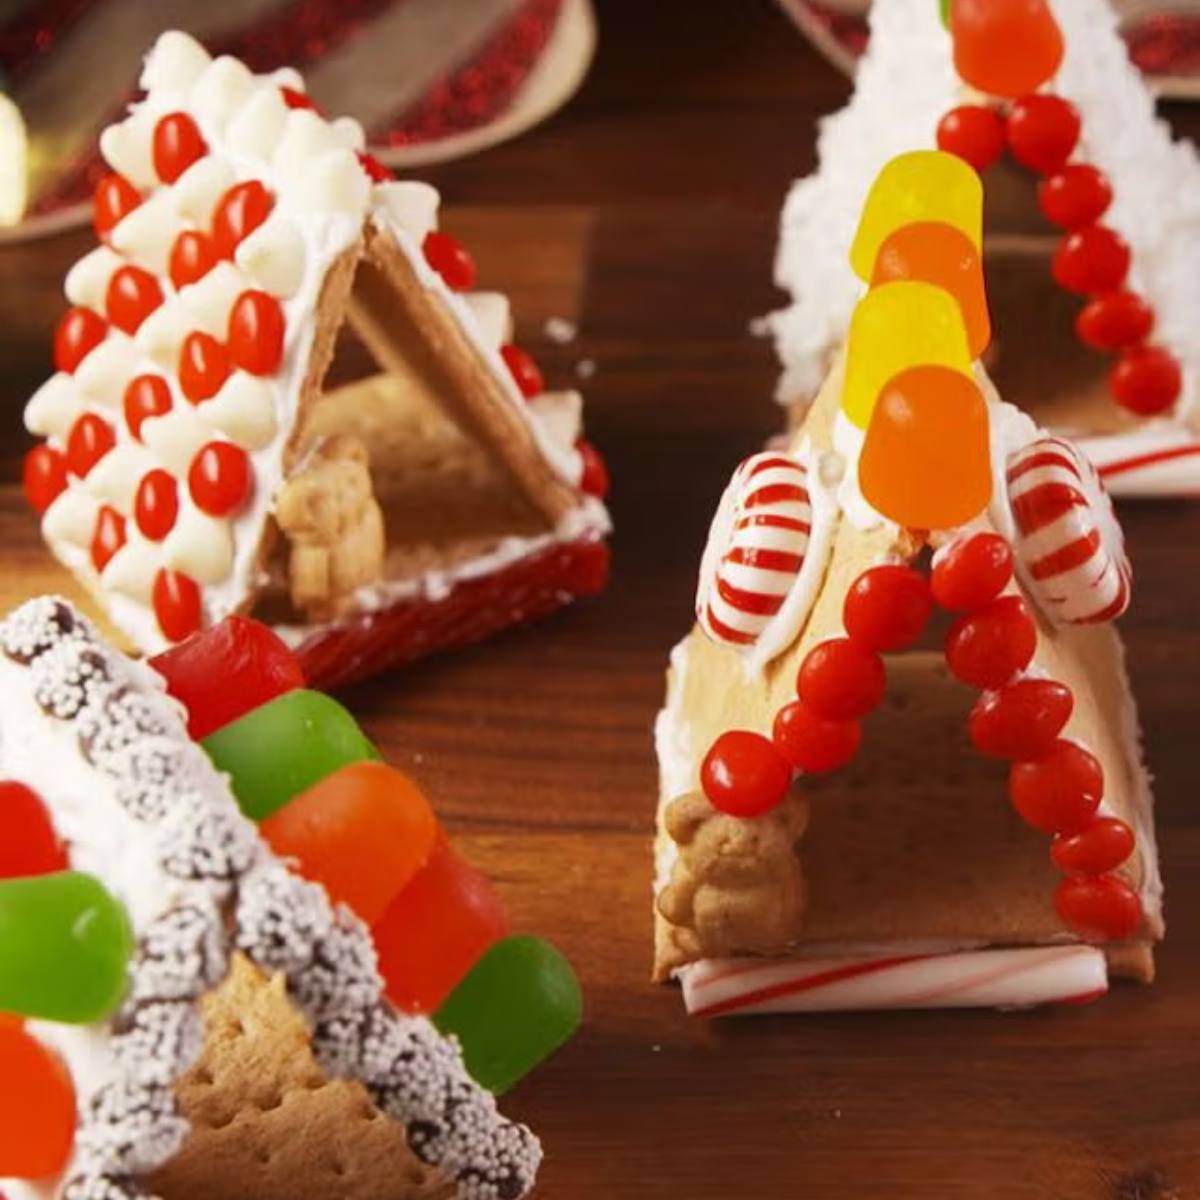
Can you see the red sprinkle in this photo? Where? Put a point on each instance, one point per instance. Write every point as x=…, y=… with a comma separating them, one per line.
x=744, y=775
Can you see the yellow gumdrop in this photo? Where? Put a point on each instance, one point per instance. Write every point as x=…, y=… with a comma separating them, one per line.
x=896, y=326
x=924, y=185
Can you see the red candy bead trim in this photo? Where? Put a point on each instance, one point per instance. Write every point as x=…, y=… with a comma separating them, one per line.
x=986, y=648
x=295, y=99
x=1101, y=908
x=887, y=608
x=524, y=370
x=132, y=295
x=971, y=571
x=1022, y=720
x=1060, y=791
x=176, y=605
x=219, y=479
x=90, y=439
x=1076, y=196
x=1091, y=260
x=974, y=133
x=44, y=477
x=146, y=396
x=841, y=680
x=203, y=366
x=1042, y=131
x=177, y=144
x=812, y=743
x=1114, y=321
x=114, y=198
x=79, y=332
x=593, y=480
x=1146, y=380
x=108, y=537
x=375, y=170
x=1102, y=846
x=256, y=327
x=744, y=775
x=450, y=259
x=156, y=505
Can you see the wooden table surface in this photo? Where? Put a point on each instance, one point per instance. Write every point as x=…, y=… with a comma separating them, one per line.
x=647, y=212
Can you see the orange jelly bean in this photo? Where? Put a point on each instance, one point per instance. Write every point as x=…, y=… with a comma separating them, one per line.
x=362, y=832
x=37, y=1106
x=941, y=254
x=1005, y=47
x=925, y=461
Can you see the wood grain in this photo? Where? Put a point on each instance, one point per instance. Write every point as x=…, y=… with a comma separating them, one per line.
x=656, y=195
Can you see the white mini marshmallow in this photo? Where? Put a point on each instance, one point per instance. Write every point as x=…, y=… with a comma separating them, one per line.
x=174, y=63
x=243, y=410
x=305, y=136
x=71, y=518
x=349, y=132
x=199, y=188
x=273, y=256
x=334, y=182
x=87, y=280
x=115, y=478
x=493, y=315
x=200, y=546
x=148, y=232
x=288, y=77
x=161, y=334
x=52, y=409
x=410, y=204
x=257, y=126
x=175, y=438
x=128, y=147
x=103, y=374
x=207, y=301
x=132, y=569
x=221, y=90
x=560, y=414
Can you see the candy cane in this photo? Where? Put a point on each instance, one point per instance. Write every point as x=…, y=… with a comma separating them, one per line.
x=1015, y=978
x=1069, y=541
x=756, y=548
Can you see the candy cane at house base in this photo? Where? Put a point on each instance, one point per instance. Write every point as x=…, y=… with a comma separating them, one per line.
x=1015, y=978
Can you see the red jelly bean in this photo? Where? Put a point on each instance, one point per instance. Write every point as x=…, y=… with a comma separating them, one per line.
x=177, y=604
x=256, y=332
x=156, y=504
x=1091, y=260
x=79, y=332
x=971, y=571
x=37, y=1107
x=1022, y=720
x=90, y=439
x=238, y=214
x=193, y=255
x=887, y=608
x=594, y=479
x=108, y=536
x=813, y=743
x=435, y=930
x=1102, y=846
x=146, y=396
x=1100, y=908
x=1146, y=380
x=44, y=477
x=362, y=833
x=1114, y=320
x=744, y=775
x=524, y=370
x=29, y=845
x=375, y=170
x=841, y=680
x=133, y=294
x=203, y=366
x=450, y=259
x=227, y=671
x=1042, y=132
x=973, y=132
x=177, y=144
x=1060, y=791
x=114, y=198
x=219, y=478
x=988, y=647
x=1076, y=196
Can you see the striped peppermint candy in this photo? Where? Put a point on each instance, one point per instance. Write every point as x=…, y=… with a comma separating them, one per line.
x=756, y=548
x=1068, y=538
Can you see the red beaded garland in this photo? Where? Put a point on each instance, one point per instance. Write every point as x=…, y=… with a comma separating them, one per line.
x=193, y=255
x=887, y=608
x=156, y=505
x=238, y=214
x=812, y=743
x=1060, y=791
x=79, y=332
x=132, y=295
x=974, y=133
x=450, y=259
x=219, y=478
x=1102, y=908
x=108, y=536
x=1021, y=720
x=145, y=396
x=593, y=481
x=203, y=366
x=524, y=370
x=1076, y=196
x=44, y=477
x=971, y=571
x=986, y=648
x=114, y=198
x=90, y=439
x=177, y=144
x=1114, y=320
x=1042, y=131
x=841, y=680
x=1146, y=380
x=256, y=327
x=176, y=604
x=30, y=845
x=1101, y=846
x=1091, y=260
x=744, y=775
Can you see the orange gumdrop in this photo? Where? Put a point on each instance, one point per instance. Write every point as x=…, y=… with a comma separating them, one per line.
x=1005, y=47
x=37, y=1106
x=937, y=253
x=925, y=462
x=362, y=832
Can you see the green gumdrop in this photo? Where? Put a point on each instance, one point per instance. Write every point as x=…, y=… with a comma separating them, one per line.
x=65, y=944
x=515, y=1007
x=944, y=11
x=283, y=747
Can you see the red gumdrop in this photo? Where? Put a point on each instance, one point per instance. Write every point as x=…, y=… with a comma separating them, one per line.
x=79, y=332
x=133, y=294
x=219, y=478
x=37, y=1107
x=90, y=439
x=114, y=198
x=1076, y=196
x=44, y=477
x=30, y=845
x=973, y=132
x=988, y=647
x=1060, y=791
x=812, y=743
x=146, y=396
x=841, y=680
x=1022, y=720
x=156, y=504
x=1042, y=132
x=1146, y=380
x=108, y=536
x=238, y=214
x=887, y=608
x=1099, y=847
x=593, y=481
x=1102, y=908
x=203, y=366
x=256, y=327
x=450, y=259
x=177, y=144
x=971, y=571
x=193, y=255
x=524, y=370
x=226, y=672
x=435, y=930
x=744, y=775
x=177, y=604
x=1114, y=320
x=1091, y=260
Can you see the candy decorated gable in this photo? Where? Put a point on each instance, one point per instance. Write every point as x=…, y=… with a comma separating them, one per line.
x=195, y=1005
x=1099, y=315
x=833, y=785
x=192, y=466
